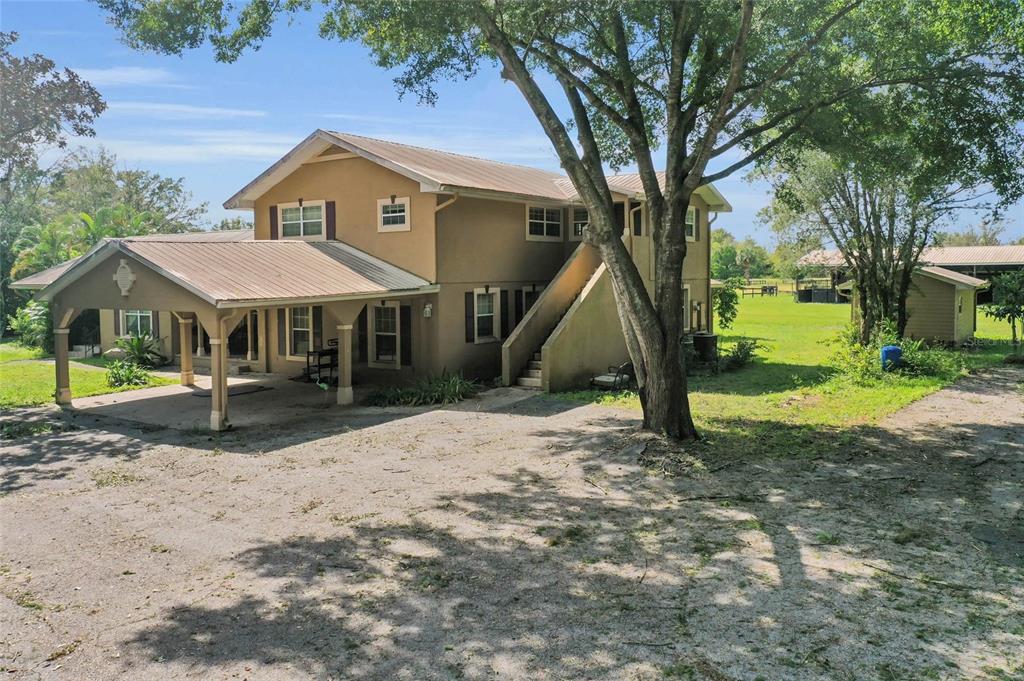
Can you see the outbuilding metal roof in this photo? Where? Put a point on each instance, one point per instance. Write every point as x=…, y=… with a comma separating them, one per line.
x=442, y=172
x=234, y=273
x=40, y=279
x=956, y=256
x=951, y=277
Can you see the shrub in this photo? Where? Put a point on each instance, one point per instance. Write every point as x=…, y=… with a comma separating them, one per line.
x=142, y=349
x=446, y=389
x=741, y=354
x=862, y=364
x=33, y=325
x=726, y=301
x=123, y=372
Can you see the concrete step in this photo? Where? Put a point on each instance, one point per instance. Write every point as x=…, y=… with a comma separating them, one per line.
x=534, y=364
x=530, y=373
x=525, y=382
x=536, y=357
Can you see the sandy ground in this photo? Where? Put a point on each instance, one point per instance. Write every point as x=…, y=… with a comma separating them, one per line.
x=516, y=537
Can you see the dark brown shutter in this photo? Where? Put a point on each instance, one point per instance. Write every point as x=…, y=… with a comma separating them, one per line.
x=282, y=348
x=117, y=322
x=330, y=222
x=318, y=327
x=273, y=222
x=470, y=318
x=504, y=313
x=361, y=335
x=155, y=316
x=696, y=224
x=519, y=305
x=405, y=329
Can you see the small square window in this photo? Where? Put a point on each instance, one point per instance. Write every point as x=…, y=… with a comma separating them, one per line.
x=543, y=224
x=393, y=215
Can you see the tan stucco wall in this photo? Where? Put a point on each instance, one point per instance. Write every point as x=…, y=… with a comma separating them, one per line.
x=481, y=240
x=355, y=185
x=930, y=309
x=587, y=341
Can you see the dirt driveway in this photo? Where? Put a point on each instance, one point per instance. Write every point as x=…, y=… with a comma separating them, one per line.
x=517, y=537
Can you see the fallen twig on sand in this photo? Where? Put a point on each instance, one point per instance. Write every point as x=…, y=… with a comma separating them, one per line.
x=923, y=580
x=595, y=485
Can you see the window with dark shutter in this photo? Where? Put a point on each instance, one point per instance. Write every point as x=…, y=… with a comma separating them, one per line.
x=117, y=322
x=470, y=320
x=155, y=315
x=273, y=222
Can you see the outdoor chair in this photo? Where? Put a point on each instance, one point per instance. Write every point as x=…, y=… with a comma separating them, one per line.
x=617, y=378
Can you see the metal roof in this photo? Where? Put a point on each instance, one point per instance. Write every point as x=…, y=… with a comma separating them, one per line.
x=955, y=256
x=951, y=277
x=235, y=273
x=708, y=192
x=442, y=172
x=41, y=279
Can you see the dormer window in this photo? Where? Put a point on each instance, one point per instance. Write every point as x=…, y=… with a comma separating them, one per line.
x=302, y=220
x=393, y=214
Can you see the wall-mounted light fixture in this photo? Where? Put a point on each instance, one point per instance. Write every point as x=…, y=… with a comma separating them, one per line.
x=428, y=311
x=487, y=288
x=300, y=202
x=392, y=198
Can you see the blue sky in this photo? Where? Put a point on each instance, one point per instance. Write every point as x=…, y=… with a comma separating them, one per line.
x=220, y=125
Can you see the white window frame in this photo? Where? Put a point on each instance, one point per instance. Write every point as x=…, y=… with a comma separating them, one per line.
x=687, y=308
x=573, y=222
x=691, y=220
x=371, y=336
x=399, y=201
x=322, y=236
x=289, y=351
x=140, y=313
x=496, y=312
x=545, y=237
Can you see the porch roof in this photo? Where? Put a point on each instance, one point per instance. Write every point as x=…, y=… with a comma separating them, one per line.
x=238, y=273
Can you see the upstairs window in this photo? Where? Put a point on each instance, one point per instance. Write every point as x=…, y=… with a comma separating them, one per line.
x=580, y=222
x=393, y=214
x=305, y=221
x=691, y=224
x=543, y=224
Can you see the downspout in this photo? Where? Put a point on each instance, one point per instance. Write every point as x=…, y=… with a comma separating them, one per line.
x=711, y=307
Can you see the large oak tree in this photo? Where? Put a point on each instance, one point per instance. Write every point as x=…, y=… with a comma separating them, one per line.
x=698, y=89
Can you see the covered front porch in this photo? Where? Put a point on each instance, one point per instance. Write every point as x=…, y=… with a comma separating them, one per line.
x=284, y=315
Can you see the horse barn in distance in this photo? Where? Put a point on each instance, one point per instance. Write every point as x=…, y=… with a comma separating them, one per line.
x=980, y=262
x=389, y=262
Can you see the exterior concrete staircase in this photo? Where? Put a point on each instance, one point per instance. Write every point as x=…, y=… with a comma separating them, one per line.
x=530, y=376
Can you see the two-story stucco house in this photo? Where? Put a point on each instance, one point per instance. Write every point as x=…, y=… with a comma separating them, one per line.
x=409, y=261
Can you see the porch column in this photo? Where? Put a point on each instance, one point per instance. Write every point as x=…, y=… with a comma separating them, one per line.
x=199, y=339
x=218, y=385
x=185, y=329
x=345, y=364
x=248, y=335
x=60, y=361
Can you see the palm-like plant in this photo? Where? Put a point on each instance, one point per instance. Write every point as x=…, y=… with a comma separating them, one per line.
x=42, y=246
x=142, y=349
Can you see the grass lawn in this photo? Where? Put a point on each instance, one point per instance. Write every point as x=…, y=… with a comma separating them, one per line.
x=786, y=396
x=30, y=383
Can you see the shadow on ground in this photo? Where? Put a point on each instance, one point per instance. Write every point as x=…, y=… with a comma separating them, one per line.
x=860, y=559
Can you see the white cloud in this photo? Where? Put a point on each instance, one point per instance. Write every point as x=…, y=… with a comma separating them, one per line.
x=116, y=76
x=194, y=146
x=179, y=112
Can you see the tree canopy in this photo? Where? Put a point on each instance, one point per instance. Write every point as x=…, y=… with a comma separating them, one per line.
x=39, y=105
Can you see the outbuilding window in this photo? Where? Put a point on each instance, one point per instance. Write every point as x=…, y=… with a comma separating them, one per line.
x=302, y=221
x=543, y=224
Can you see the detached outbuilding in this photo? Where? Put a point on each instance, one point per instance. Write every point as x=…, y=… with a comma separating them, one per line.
x=942, y=305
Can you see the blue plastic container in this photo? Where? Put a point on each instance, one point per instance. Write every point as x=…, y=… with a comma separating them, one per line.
x=892, y=355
